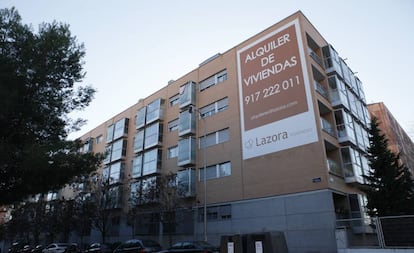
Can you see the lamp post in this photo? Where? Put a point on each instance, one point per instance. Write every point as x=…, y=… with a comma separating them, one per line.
x=190, y=110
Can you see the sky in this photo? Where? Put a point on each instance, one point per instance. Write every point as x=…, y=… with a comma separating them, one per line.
x=134, y=47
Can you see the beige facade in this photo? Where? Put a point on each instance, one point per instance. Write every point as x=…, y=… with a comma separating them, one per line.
x=398, y=140
x=330, y=160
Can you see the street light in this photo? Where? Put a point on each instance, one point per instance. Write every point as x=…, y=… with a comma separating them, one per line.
x=190, y=110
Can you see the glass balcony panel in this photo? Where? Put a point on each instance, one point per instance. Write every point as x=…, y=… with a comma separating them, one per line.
x=331, y=60
x=153, y=135
x=140, y=119
x=155, y=111
x=186, y=151
x=139, y=141
x=137, y=166
x=187, y=94
x=186, y=182
x=334, y=167
x=327, y=127
x=151, y=162
x=109, y=133
x=121, y=128
x=315, y=57
x=187, y=123
x=320, y=89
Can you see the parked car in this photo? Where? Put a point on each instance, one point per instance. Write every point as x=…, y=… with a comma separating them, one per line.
x=56, y=248
x=26, y=249
x=138, y=246
x=15, y=247
x=73, y=248
x=98, y=248
x=192, y=247
x=37, y=249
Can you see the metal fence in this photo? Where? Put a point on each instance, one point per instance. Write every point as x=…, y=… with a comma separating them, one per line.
x=376, y=232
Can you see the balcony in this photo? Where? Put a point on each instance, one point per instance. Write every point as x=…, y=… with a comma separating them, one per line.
x=186, y=152
x=345, y=134
x=187, y=123
x=187, y=94
x=327, y=127
x=321, y=90
x=186, y=183
x=334, y=167
x=315, y=57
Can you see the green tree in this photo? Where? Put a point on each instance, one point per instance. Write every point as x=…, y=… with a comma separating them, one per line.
x=390, y=186
x=40, y=76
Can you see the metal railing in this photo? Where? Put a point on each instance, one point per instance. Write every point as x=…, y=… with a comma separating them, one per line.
x=377, y=232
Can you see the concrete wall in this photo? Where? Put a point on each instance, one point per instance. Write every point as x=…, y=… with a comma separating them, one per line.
x=307, y=220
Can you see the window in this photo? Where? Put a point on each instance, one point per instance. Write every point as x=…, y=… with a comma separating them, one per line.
x=153, y=135
x=118, y=150
x=121, y=128
x=172, y=152
x=173, y=125
x=149, y=186
x=186, y=182
x=186, y=151
x=222, y=212
x=351, y=162
x=137, y=166
x=216, y=171
x=331, y=60
x=345, y=126
x=214, y=108
x=109, y=133
x=174, y=99
x=113, y=197
x=87, y=146
x=51, y=196
x=187, y=123
x=155, y=110
x=213, y=80
x=99, y=139
x=116, y=172
x=139, y=141
x=135, y=189
x=338, y=92
x=151, y=161
x=187, y=94
x=113, y=173
x=140, y=118
x=214, y=138
x=108, y=152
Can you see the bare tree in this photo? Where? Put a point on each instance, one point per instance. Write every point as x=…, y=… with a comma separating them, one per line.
x=156, y=201
x=96, y=207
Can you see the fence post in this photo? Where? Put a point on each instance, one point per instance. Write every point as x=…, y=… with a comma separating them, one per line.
x=380, y=234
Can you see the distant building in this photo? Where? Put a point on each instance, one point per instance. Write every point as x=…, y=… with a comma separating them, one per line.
x=398, y=140
x=283, y=122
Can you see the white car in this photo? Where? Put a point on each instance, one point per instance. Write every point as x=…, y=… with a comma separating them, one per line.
x=56, y=248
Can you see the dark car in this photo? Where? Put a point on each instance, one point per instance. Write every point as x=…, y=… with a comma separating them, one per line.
x=73, y=248
x=15, y=247
x=192, y=246
x=138, y=246
x=98, y=248
x=37, y=249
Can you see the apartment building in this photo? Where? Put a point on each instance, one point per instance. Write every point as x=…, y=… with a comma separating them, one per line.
x=270, y=135
x=398, y=140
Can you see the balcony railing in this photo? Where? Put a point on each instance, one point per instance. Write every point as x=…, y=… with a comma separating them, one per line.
x=327, y=127
x=315, y=57
x=321, y=90
x=334, y=167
